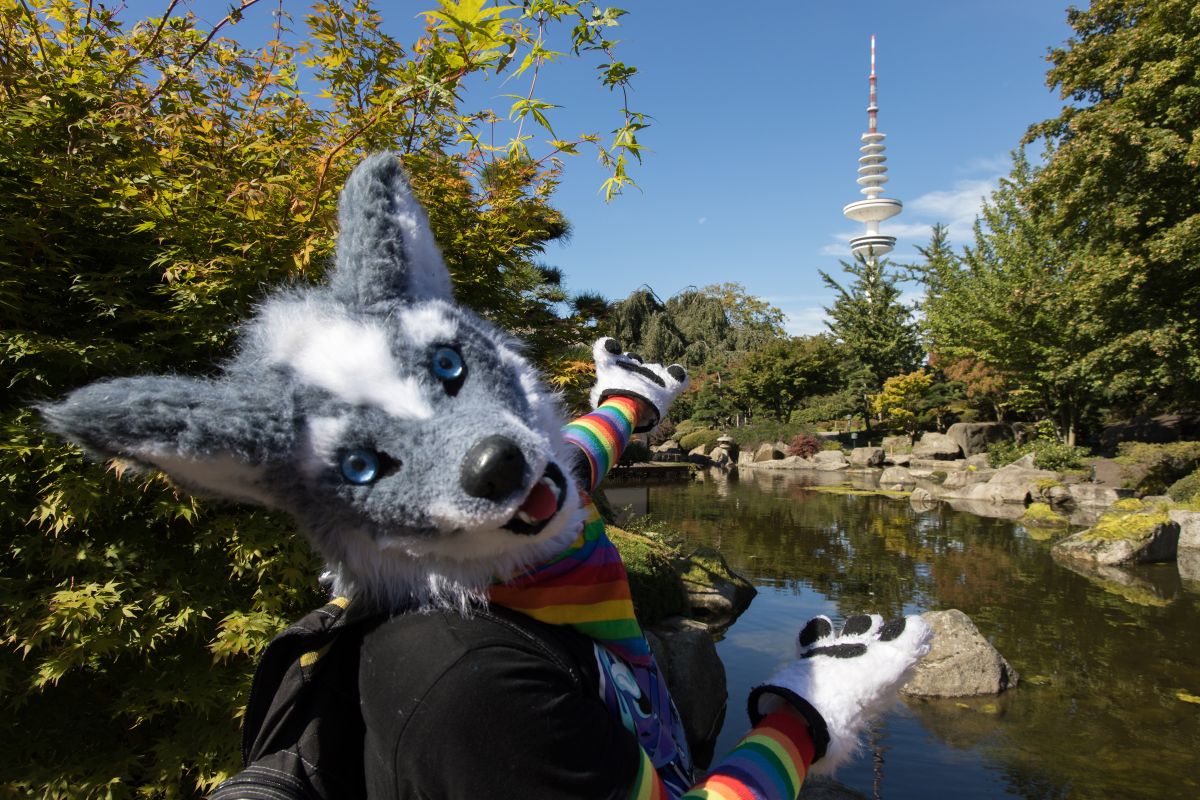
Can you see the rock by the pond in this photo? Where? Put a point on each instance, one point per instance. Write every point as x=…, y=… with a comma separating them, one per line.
x=962, y=478
x=1189, y=528
x=720, y=457
x=893, y=476
x=896, y=445
x=1041, y=515
x=997, y=492
x=767, y=452
x=867, y=456
x=1188, y=563
x=974, y=437
x=961, y=662
x=745, y=457
x=978, y=461
x=700, y=450
x=937, y=446
x=898, y=459
x=1123, y=537
x=830, y=460
x=1095, y=494
x=790, y=462
x=819, y=787
x=669, y=446
x=715, y=593
x=922, y=499
x=986, y=508
x=687, y=656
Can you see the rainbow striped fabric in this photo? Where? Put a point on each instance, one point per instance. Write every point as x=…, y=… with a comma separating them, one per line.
x=603, y=434
x=586, y=588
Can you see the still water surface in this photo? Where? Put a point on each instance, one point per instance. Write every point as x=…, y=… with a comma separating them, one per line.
x=1103, y=659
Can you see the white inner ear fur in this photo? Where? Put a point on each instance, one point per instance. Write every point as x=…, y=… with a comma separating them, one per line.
x=349, y=359
x=427, y=324
x=221, y=475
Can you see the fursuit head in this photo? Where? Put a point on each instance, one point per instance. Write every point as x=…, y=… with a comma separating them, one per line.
x=412, y=441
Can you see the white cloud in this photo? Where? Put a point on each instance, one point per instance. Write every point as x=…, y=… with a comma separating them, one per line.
x=956, y=207
x=702, y=220
x=805, y=321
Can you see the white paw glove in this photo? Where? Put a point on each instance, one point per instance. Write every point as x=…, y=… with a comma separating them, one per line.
x=626, y=375
x=839, y=682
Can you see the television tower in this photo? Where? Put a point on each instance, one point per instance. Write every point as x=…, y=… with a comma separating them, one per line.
x=872, y=175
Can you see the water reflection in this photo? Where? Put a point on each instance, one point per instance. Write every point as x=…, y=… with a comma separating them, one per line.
x=1105, y=655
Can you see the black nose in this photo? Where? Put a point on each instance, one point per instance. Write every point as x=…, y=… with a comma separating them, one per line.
x=493, y=469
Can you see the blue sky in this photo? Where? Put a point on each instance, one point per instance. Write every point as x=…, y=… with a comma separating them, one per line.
x=757, y=109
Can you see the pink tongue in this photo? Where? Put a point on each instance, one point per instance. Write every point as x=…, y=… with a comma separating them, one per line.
x=541, y=503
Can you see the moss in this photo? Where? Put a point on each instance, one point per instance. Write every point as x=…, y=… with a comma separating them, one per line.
x=1186, y=488
x=656, y=588
x=1127, y=526
x=705, y=436
x=1046, y=484
x=893, y=494
x=1040, y=515
x=1128, y=504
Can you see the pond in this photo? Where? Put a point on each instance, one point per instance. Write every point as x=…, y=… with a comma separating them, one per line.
x=1109, y=666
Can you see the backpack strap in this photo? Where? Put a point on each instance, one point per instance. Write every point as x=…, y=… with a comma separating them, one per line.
x=302, y=733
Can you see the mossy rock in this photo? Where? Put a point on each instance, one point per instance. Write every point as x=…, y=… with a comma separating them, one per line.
x=1186, y=488
x=1129, y=526
x=716, y=594
x=1128, y=504
x=1041, y=515
x=653, y=581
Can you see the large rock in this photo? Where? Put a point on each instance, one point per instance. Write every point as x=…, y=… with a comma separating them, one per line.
x=1189, y=528
x=962, y=478
x=790, y=462
x=997, y=492
x=830, y=460
x=715, y=593
x=867, y=456
x=745, y=457
x=767, y=452
x=687, y=656
x=961, y=662
x=936, y=446
x=669, y=446
x=896, y=444
x=720, y=457
x=700, y=450
x=974, y=437
x=896, y=476
x=819, y=787
x=1121, y=537
x=1095, y=494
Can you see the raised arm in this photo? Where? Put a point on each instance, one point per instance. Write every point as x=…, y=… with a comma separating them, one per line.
x=630, y=396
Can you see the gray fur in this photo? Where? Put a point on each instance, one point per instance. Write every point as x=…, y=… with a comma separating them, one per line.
x=333, y=368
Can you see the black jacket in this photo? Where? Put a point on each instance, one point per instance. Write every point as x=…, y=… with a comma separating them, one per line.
x=494, y=705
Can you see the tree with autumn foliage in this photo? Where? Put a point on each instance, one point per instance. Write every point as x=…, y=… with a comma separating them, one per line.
x=154, y=177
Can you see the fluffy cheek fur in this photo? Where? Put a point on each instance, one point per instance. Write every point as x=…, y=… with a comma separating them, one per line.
x=454, y=568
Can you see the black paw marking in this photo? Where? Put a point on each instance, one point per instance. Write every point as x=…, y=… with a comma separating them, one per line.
x=645, y=373
x=613, y=346
x=837, y=651
x=634, y=357
x=857, y=624
x=891, y=629
x=817, y=628
x=677, y=372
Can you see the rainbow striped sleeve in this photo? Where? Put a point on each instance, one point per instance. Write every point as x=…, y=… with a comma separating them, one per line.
x=603, y=434
x=768, y=764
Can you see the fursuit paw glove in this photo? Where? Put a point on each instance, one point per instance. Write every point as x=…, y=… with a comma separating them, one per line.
x=839, y=682
x=626, y=375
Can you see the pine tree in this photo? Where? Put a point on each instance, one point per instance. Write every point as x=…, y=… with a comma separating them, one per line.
x=877, y=330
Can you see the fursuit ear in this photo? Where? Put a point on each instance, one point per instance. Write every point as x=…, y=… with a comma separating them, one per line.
x=213, y=437
x=385, y=249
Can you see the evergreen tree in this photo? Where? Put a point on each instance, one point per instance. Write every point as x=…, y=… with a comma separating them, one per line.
x=877, y=330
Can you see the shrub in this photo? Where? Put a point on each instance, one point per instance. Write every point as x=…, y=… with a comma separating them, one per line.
x=804, y=445
x=687, y=426
x=1164, y=463
x=705, y=436
x=1186, y=488
x=1050, y=455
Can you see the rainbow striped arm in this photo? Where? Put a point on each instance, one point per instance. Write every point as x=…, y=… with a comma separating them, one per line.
x=768, y=764
x=603, y=434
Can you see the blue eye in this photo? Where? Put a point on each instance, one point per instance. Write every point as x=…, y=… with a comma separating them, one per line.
x=360, y=466
x=447, y=364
